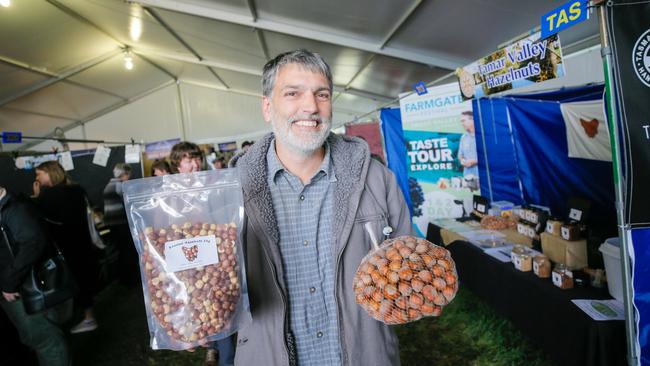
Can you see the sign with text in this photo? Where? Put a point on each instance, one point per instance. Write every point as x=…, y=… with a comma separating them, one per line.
x=629, y=26
x=525, y=62
x=438, y=131
x=564, y=17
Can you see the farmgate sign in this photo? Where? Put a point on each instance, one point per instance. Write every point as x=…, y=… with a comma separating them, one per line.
x=641, y=58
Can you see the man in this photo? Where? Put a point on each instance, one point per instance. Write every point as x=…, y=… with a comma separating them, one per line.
x=23, y=232
x=187, y=157
x=467, y=148
x=115, y=219
x=309, y=196
x=114, y=213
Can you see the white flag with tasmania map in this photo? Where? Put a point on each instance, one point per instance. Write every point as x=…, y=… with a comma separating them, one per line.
x=586, y=130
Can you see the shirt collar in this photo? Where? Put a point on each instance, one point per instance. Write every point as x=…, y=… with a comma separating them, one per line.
x=274, y=166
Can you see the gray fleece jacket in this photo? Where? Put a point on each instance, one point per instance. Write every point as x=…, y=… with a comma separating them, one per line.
x=365, y=192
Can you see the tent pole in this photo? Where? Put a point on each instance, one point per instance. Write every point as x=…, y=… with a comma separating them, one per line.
x=487, y=165
x=623, y=229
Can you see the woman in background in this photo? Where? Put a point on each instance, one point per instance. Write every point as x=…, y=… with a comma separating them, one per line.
x=22, y=243
x=63, y=205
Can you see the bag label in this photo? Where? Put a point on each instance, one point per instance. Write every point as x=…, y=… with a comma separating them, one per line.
x=191, y=253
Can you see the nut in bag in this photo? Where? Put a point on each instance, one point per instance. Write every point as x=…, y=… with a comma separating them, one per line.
x=186, y=229
x=405, y=279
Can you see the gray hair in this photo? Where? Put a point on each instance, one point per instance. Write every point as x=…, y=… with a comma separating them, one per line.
x=312, y=61
x=121, y=168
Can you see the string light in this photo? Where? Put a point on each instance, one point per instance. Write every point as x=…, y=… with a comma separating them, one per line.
x=128, y=60
x=5, y=3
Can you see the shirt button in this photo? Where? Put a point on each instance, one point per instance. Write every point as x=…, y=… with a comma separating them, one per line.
x=305, y=242
x=319, y=335
x=312, y=289
x=302, y=197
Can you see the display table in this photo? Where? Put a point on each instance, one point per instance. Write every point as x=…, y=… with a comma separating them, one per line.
x=571, y=253
x=542, y=311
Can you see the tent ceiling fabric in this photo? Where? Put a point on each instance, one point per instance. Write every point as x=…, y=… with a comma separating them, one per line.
x=61, y=62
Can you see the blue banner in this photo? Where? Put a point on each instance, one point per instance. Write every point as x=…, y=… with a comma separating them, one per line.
x=641, y=287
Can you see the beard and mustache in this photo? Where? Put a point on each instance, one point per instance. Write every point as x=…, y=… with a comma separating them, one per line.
x=303, y=143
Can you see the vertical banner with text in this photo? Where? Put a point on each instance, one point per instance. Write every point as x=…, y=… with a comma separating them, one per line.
x=628, y=26
x=441, y=154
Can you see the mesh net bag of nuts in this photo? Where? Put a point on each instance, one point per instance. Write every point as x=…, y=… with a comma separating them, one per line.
x=186, y=229
x=405, y=279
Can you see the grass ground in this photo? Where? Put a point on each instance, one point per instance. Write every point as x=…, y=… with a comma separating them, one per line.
x=468, y=333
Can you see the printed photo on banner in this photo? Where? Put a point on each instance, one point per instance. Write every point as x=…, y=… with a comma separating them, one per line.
x=525, y=62
x=441, y=157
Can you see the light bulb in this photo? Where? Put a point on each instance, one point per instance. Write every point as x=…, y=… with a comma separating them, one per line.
x=5, y=3
x=128, y=60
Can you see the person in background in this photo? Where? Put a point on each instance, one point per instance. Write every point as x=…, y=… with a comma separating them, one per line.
x=116, y=220
x=160, y=167
x=28, y=243
x=187, y=157
x=63, y=205
x=219, y=163
x=309, y=196
x=467, y=147
x=246, y=145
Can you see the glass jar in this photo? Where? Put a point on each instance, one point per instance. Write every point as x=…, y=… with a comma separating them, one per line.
x=542, y=266
x=562, y=277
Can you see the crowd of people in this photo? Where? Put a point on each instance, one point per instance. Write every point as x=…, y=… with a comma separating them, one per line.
x=306, y=191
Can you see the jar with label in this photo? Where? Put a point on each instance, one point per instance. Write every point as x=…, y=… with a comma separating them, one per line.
x=523, y=262
x=542, y=266
x=553, y=226
x=562, y=277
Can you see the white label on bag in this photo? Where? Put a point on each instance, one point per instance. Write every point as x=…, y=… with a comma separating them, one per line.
x=549, y=228
x=481, y=208
x=557, y=279
x=191, y=253
x=518, y=262
x=575, y=214
x=536, y=268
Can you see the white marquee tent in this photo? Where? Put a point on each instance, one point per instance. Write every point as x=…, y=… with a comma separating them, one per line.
x=197, y=63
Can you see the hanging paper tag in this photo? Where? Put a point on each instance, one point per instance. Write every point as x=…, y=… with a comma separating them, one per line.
x=101, y=155
x=132, y=154
x=65, y=159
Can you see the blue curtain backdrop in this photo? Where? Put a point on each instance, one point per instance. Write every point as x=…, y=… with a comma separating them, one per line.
x=524, y=140
x=391, y=128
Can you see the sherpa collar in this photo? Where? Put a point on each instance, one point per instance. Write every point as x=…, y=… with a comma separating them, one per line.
x=350, y=159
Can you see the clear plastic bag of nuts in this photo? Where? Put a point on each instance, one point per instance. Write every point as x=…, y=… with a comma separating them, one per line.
x=186, y=229
x=404, y=279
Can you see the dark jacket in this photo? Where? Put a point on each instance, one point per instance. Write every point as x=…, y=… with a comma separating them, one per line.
x=27, y=238
x=114, y=213
x=365, y=192
x=64, y=208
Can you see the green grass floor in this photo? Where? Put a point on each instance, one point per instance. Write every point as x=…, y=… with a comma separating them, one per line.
x=467, y=333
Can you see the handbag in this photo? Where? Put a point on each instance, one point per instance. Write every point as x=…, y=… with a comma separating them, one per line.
x=48, y=283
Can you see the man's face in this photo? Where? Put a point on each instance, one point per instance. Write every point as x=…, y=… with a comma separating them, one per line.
x=190, y=164
x=299, y=109
x=467, y=122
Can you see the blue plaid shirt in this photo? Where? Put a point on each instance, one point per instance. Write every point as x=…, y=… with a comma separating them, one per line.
x=304, y=216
